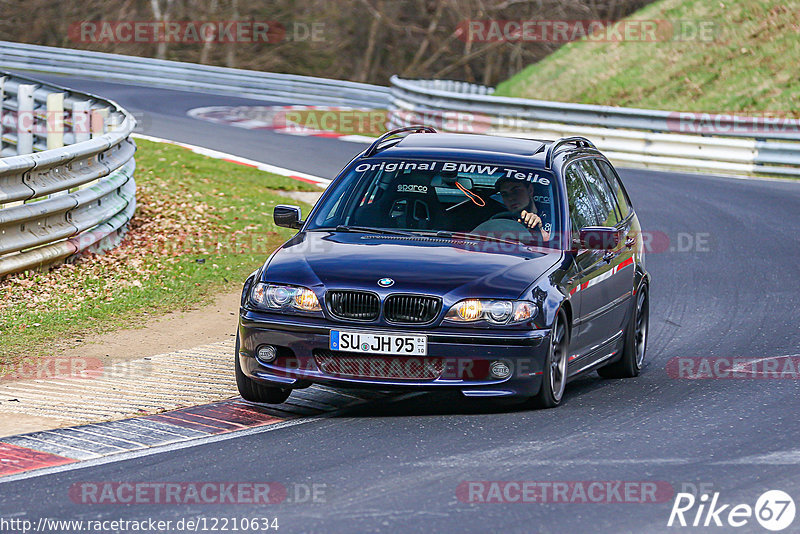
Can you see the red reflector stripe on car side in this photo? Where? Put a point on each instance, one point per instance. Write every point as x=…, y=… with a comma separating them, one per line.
x=605, y=276
x=624, y=264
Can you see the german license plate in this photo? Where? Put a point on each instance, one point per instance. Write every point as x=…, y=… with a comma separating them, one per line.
x=373, y=343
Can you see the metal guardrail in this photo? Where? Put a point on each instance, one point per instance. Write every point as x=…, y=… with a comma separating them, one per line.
x=66, y=175
x=631, y=137
x=192, y=77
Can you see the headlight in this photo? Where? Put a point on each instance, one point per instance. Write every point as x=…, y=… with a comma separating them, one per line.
x=491, y=311
x=281, y=297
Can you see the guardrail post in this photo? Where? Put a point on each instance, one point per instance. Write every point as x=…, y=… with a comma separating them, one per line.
x=55, y=127
x=81, y=125
x=99, y=122
x=2, y=100
x=55, y=120
x=25, y=118
x=114, y=121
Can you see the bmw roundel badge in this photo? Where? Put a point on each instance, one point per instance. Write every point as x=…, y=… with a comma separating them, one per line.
x=385, y=282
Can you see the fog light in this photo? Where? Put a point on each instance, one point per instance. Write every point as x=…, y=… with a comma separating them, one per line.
x=267, y=353
x=500, y=370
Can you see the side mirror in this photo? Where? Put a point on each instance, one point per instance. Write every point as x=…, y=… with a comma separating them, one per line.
x=600, y=237
x=287, y=217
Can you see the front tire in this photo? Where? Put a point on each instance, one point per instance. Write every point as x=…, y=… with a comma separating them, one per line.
x=633, y=351
x=554, y=377
x=253, y=391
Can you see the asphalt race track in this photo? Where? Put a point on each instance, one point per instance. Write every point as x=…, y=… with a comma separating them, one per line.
x=727, y=289
x=162, y=113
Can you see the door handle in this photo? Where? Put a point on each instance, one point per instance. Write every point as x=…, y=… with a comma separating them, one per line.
x=608, y=256
x=630, y=242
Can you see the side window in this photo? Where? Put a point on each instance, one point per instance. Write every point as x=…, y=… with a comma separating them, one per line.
x=346, y=194
x=616, y=187
x=581, y=208
x=331, y=212
x=601, y=193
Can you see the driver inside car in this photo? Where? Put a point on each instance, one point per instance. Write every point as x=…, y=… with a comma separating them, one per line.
x=517, y=195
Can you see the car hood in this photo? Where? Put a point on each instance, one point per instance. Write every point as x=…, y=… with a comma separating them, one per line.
x=445, y=267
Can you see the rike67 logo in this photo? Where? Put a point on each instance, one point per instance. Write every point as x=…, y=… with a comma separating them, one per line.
x=774, y=510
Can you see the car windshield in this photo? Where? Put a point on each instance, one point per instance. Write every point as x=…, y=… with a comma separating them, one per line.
x=492, y=201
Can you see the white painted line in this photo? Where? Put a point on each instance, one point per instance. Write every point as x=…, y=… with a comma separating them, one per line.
x=250, y=124
x=741, y=366
x=358, y=139
x=281, y=171
x=791, y=457
x=513, y=462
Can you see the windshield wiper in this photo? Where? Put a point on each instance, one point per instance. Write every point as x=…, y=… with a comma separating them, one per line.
x=424, y=233
x=371, y=230
x=476, y=237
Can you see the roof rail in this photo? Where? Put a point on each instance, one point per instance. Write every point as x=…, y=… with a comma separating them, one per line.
x=580, y=142
x=417, y=128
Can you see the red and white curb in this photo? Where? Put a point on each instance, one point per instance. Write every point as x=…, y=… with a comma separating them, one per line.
x=263, y=118
x=150, y=434
x=231, y=158
x=68, y=445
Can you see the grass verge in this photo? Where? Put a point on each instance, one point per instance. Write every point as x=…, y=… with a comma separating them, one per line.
x=201, y=226
x=746, y=65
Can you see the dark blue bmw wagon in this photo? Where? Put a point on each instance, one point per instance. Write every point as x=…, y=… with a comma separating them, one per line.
x=498, y=267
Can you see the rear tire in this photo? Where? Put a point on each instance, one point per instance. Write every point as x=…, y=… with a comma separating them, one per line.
x=554, y=377
x=253, y=391
x=633, y=351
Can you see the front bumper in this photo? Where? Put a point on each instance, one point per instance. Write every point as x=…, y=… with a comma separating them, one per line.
x=463, y=354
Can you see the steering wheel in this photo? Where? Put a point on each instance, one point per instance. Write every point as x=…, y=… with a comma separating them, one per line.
x=501, y=226
x=535, y=232
x=505, y=215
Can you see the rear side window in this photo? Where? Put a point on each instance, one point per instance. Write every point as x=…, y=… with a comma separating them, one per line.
x=601, y=193
x=616, y=187
x=581, y=207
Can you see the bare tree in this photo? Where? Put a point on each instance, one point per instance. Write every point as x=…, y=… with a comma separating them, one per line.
x=161, y=15
x=364, y=40
x=208, y=40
